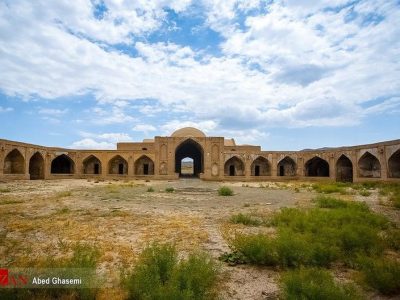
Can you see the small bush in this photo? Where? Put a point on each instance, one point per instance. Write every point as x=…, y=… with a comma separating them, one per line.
x=159, y=274
x=382, y=275
x=257, y=249
x=150, y=189
x=315, y=284
x=328, y=188
x=64, y=194
x=330, y=202
x=5, y=190
x=169, y=189
x=365, y=193
x=245, y=219
x=225, y=191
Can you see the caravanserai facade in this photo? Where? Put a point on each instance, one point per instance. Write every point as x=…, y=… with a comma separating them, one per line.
x=214, y=158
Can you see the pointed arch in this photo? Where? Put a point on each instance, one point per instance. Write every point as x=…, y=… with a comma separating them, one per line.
x=287, y=167
x=118, y=165
x=14, y=163
x=92, y=165
x=234, y=167
x=192, y=149
x=260, y=167
x=317, y=167
x=394, y=165
x=344, y=169
x=62, y=164
x=369, y=166
x=36, y=166
x=144, y=165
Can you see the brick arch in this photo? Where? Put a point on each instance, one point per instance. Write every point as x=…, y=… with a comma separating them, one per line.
x=394, y=165
x=316, y=167
x=287, y=167
x=92, y=165
x=369, y=166
x=234, y=166
x=36, y=166
x=344, y=169
x=14, y=162
x=62, y=164
x=144, y=165
x=118, y=165
x=260, y=167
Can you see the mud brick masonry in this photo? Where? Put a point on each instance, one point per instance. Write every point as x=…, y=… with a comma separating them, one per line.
x=214, y=158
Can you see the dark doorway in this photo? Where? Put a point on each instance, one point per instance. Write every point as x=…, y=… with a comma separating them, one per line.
x=234, y=167
x=231, y=170
x=144, y=166
x=344, y=169
x=260, y=167
x=36, y=166
x=96, y=168
x=257, y=171
x=317, y=167
x=281, y=171
x=91, y=165
x=14, y=163
x=394, y=165
x=369, y=166
x=193, y=150
x=118, y=166
x=287, y=167
x=62, y=164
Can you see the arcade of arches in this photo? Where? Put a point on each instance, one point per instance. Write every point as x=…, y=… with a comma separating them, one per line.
x=209, y=158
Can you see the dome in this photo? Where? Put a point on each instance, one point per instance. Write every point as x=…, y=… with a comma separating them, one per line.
x=188, y=132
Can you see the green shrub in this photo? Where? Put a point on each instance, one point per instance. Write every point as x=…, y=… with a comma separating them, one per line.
x=5, y=190
x=150, y=189
x=365, y=193
x=245, y=219
x=382, y=275
x=330, y=202
x=159, y=274
x=328, y=188
x=315, y=284
x=392, y=238
x=225, y=191
x=169, y=189
x=257, y=249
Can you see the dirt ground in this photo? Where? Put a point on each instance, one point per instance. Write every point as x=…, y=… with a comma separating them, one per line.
x=39, y=219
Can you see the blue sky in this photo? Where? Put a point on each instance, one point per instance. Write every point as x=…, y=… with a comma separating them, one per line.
x=286, y=75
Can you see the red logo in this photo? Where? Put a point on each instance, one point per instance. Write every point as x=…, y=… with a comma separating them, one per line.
x=15, y=280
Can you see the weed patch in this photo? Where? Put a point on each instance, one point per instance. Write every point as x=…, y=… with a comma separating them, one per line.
x=159, y=274
x=169, y=189
x=245, y=219
x=225, y=191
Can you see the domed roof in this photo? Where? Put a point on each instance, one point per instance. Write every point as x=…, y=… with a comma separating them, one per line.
x=188, y=132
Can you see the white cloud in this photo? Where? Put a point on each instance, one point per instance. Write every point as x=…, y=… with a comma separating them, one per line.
x=53, y=112
x=5, y=109
x=88, y=143
x=294, y=65
x=144, y=128
x=109, y=137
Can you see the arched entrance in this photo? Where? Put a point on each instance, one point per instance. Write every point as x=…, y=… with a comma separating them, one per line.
x=36, y=166
x=144, y=166
x=92, y=165
x=62, y=164
x=190, y=149
x=234, y=167
x=14, y=163
x=260, y=167
x=369, y=166
x=317, y=167
x=394, y=165
x=344, y=169
x=287, y=167
x=118, y=166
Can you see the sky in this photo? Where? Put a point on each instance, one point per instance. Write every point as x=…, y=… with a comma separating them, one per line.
x=285, y=75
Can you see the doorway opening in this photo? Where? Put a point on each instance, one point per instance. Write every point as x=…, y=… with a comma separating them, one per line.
x=186, y=152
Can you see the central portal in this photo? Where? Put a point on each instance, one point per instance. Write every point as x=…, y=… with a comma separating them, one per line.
x=193, y=150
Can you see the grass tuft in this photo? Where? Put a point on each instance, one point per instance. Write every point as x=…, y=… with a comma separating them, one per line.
x=225, y=191
x=169, y=189
x=150, y=189
x=245, y=219
x=159, y=274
